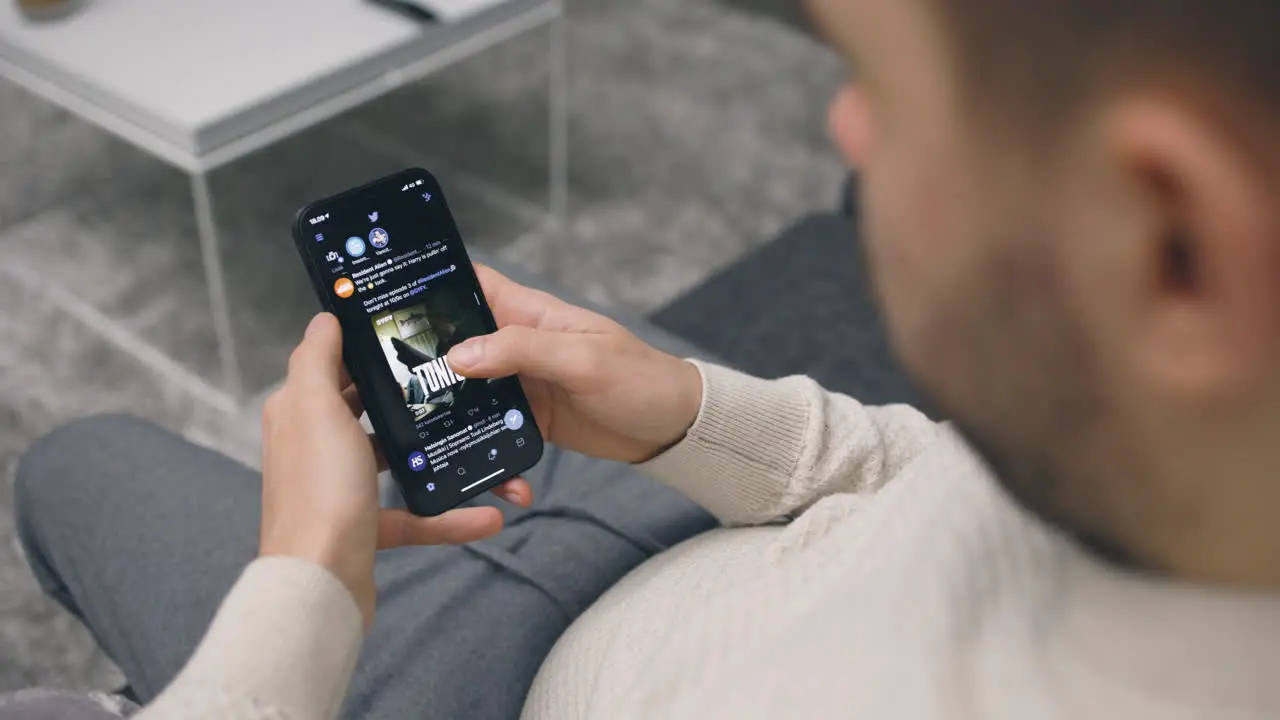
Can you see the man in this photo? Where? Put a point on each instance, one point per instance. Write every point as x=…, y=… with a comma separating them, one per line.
x=1071, y=217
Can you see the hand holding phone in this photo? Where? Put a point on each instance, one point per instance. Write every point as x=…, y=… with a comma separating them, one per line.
x=595, y=387
x=388, y=261
x=319, y=476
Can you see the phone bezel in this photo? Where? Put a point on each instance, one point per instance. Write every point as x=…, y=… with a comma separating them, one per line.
x=416, y=498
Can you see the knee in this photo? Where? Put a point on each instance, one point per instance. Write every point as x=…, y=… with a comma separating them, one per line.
x=65, y=464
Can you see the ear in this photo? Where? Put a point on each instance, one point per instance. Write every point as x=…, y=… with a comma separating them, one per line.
x=1208, y=319
x=849, y=124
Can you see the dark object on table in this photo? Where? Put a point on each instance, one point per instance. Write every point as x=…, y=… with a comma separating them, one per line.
x=46, y=10
x=799, y=305
x=413, y=10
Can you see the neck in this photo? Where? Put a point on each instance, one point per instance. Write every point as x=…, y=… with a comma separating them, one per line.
x=1207, y=508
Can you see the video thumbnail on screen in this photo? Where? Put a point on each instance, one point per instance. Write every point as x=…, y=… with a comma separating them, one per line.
x=415, y=340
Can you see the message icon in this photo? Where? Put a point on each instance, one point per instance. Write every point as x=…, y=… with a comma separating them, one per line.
x=344, y=287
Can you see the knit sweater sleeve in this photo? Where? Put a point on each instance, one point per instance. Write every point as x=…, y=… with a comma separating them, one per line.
x=283, y=645
x=764, y=449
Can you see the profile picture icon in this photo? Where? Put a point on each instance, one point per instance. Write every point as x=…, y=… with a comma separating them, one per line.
x=343, y=287
x=379, y=238
x=355, y=246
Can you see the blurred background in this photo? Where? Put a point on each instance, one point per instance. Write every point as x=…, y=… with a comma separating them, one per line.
x=695, y=143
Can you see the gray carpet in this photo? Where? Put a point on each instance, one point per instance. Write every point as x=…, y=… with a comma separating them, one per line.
x=697, y=135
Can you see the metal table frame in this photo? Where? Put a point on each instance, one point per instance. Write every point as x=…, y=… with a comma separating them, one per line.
x=198, y=166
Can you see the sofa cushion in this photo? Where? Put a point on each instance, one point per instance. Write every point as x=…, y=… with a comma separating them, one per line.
x=799, y=305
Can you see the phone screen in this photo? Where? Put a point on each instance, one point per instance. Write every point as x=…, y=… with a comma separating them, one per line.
x=388, y=260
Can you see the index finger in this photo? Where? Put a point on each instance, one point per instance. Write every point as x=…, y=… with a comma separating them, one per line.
x=516, y=491
x=516, y=304
x=317, y=361
x=511, y=302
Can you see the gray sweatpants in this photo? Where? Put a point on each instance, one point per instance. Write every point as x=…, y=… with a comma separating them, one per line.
x=140, y=534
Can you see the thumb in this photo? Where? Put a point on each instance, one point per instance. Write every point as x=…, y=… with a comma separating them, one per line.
x=558, y=358
x=317, y=361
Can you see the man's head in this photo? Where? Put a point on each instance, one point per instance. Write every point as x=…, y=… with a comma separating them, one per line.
x=1072, y=212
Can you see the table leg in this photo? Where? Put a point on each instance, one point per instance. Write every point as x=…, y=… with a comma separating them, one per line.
x=558, y=121
x=207, y=228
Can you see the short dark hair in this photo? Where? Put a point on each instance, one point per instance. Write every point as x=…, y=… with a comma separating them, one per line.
x=1036, y=59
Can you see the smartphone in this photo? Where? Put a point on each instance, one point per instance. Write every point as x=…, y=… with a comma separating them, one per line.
x=387, y=259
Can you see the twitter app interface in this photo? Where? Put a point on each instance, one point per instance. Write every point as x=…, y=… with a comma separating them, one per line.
x=404, y=289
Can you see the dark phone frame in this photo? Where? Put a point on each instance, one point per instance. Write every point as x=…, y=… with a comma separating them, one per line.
x=416, y=499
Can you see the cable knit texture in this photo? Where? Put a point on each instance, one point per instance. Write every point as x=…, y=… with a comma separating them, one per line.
x=869, y=568
x=907, y=586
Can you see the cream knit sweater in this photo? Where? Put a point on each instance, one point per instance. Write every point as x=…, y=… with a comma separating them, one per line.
x=905, y=585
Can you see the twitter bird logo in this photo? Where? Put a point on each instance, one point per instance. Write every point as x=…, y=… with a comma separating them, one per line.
x=373, y=216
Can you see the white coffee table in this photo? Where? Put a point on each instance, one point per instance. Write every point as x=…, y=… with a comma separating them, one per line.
x=200, y=83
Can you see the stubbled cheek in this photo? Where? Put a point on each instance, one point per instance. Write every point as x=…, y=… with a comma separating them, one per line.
x=915, y=245
x=895, y=283
x=901, y=231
